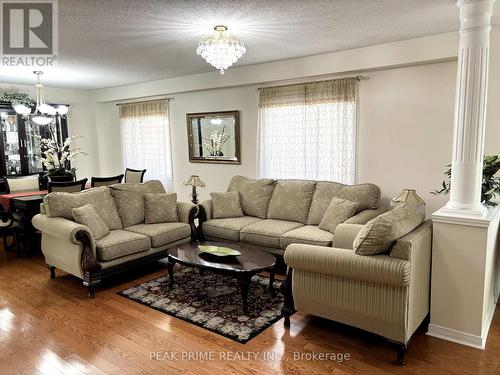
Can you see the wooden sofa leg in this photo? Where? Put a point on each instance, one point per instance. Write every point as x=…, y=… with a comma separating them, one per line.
x=288, y=308
x=52, y=272
x=401, y=350
x=91, y=291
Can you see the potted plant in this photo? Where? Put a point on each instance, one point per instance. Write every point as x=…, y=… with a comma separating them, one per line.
x=57, y=158
x=491, y=184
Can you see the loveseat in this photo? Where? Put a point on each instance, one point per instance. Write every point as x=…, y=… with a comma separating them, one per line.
x=128, y=239
x=277, y=213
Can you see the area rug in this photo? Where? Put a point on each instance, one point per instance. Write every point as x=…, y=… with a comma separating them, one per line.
x=213, y=302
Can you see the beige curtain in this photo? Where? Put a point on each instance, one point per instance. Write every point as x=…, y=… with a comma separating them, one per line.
x=145, y=133
x=308, y=131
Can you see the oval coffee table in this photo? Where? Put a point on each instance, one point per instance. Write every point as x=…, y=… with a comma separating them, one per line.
x=242, y=267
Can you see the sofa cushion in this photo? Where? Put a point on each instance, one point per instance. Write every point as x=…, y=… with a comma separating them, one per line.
x=267, y=232
x=225, y=205
x=379, y=234
x=119, y=243
x=291, y=200
x=160, y=208
x=255, y=194
x=61, y=204
x=367, y=195
x=162, y=233
x=228, y=229
x=308, y=234
x=129, y=199
x=89, y=217
x=338, y=211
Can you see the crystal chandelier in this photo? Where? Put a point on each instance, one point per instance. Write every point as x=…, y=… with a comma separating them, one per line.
x=221, y=49
x=44, y=113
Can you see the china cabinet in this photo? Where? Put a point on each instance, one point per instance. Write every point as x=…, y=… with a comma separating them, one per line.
x=20, y=151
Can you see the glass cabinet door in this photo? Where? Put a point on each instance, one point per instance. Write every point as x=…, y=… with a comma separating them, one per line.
x=33, y=147
x=11, y=144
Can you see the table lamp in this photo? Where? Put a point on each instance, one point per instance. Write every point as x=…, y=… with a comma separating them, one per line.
x=408, y=196
x=194, y=181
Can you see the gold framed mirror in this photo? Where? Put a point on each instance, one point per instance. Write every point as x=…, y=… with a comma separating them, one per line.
x=214, y=137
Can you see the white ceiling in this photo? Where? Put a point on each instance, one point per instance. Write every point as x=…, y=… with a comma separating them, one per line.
x=105, y=43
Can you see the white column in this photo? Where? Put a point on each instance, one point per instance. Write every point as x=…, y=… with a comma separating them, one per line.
x=470, y=107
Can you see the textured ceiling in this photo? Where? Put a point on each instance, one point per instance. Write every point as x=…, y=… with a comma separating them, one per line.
x=105, y=43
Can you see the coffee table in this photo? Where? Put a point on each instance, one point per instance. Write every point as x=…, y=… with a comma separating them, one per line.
x=242, y=267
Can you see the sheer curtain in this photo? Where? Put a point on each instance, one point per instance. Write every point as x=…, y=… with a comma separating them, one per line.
x=145, y=132
x=308, y=131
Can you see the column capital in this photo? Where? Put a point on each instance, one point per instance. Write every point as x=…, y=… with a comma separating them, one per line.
x=475, y=14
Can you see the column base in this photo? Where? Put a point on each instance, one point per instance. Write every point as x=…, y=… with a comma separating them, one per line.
x=480, y=216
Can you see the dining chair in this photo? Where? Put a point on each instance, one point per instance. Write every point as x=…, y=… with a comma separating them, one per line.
x=9, y=227
x=67, y=187
x=134, y=176
x=105, y=181
x=23, y=183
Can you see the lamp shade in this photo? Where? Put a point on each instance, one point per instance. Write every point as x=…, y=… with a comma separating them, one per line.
x=408, y=196
x=194, y=180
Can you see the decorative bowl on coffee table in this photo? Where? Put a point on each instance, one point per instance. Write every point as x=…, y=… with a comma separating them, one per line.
x=219, y=251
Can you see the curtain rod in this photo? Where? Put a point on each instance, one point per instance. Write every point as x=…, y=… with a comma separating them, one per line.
x=359, y=78
x=145, y=101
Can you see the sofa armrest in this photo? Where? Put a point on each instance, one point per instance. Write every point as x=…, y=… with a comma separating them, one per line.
x=365, y=216
x=380, y=269
x=344, y=235
x=73, y=232
x=187, y=212
x=417, y=241
x=205, y=211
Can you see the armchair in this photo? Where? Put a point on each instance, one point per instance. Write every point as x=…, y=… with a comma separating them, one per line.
x=385, y=294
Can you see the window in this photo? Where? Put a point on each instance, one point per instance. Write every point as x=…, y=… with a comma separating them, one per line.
x=145, y=133
x=308, y=131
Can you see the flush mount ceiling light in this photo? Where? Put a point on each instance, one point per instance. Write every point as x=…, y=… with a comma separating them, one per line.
x=44, y=113
x=221, y=49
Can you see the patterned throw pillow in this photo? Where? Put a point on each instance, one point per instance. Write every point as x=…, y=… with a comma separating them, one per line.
x=129, y=199
x=226, y=205
x=254, y=194
x=88, y=216
x=291, y=200
x=337, y=212
x=160, y=208
x=379, y=234
x=59, y=204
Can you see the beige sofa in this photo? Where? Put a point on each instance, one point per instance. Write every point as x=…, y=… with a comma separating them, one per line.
x=279, y=213
x=71, y=247
x=386, y=294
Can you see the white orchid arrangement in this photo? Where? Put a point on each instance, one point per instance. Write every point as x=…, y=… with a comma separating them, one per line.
x=57, y=158
x=216, y=141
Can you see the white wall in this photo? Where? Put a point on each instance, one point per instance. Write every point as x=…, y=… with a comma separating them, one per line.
x=81, y=121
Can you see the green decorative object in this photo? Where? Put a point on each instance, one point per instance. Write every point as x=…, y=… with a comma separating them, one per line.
x=219, y=251
x=17, y=97
x=491, y=184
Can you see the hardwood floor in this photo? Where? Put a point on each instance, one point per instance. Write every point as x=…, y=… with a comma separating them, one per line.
x=50, y=327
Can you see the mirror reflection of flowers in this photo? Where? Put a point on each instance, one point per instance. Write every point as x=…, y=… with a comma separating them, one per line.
x=57, y=158
x=216, y=140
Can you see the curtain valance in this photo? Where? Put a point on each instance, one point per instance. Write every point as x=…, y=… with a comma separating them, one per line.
x=141, y=109
x=330, y=91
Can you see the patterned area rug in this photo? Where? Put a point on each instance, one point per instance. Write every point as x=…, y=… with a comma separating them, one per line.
x=213, y=302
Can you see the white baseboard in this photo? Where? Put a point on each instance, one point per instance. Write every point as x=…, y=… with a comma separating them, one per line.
x=459, y=337
x=489, y=319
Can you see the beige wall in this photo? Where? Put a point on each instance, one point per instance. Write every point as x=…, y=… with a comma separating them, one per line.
x=405, y=126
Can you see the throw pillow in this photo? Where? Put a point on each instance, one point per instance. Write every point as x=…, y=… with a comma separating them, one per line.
x=226, y=205
x=88, y=216
x=129, y=199
x=160, y=208
x=379, y=234
x=337, y=212
x=254, y=194
x=291, y=200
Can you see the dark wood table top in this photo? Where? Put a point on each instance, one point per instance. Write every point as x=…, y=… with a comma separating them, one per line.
x=250, y=260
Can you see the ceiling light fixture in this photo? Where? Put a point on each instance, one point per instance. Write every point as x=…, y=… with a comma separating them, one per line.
x=221, y=49
x=44, y=113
